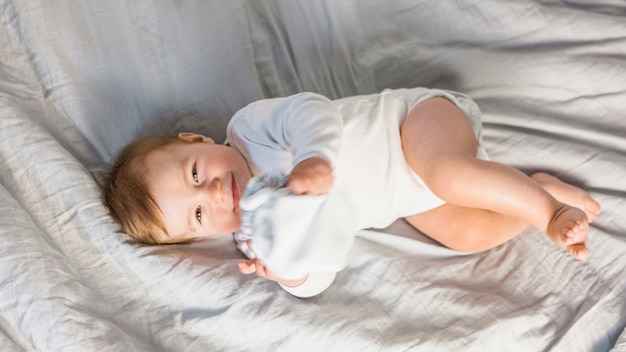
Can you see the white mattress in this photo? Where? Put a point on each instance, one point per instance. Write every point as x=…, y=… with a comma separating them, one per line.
x=78, y=80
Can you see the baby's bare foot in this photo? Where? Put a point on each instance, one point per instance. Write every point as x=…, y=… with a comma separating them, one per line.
x=569, y=194
x=569, y=228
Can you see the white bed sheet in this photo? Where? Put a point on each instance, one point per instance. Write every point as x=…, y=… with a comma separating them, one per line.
x=78, y=80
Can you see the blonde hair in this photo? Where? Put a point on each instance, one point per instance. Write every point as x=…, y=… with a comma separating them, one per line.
x=125, y=191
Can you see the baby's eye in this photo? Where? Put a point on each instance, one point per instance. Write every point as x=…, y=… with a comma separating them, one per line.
x=199, y=214
x=194, y=173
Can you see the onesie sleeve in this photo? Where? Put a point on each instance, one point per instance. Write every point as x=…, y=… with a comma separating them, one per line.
x=315, y=284
x=286, y=131
x=277, y=134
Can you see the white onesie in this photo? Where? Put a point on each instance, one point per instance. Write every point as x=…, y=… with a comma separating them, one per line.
x=360, y=137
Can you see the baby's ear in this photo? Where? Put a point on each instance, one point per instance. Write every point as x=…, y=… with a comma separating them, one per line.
x=194, y=138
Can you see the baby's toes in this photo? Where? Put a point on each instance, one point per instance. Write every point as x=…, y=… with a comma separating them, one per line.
x=576, y=233
x=592, y=210
x=578, y=251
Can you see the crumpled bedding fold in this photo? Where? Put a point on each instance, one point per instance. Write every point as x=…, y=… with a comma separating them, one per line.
x=79, y=80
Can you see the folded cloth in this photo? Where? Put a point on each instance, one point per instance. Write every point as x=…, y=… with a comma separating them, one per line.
x=294, y=234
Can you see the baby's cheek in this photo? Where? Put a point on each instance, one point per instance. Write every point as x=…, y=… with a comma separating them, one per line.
x=237, y=222
x=233, y=224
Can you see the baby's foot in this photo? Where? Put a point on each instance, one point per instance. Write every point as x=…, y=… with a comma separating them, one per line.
x=569, y=228
x=569, y=194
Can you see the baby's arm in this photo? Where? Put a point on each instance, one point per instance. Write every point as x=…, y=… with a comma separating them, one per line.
x=308, y=286
x=255, y=266
x=283, y=133
x=299, y=134
x=311, y=176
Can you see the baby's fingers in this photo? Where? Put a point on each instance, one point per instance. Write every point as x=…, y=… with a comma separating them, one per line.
x=254, y=266
x=262, y=271
x=247, y=267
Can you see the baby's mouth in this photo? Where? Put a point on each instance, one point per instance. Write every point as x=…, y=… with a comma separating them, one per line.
x=235, y=191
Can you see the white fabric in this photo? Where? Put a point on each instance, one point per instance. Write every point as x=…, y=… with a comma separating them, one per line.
x=620, y=346
x=316, y=283
x=295, y=235
x=80, y=79
x=359, y=135
x=283, y=245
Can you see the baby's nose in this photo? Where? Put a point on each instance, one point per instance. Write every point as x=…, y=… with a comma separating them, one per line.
x=215, y=190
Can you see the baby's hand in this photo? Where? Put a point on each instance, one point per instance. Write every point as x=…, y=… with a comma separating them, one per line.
x=255, y=266
x=311, y=176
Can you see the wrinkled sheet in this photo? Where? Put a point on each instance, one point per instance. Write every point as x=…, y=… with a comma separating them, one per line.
x=78, y=80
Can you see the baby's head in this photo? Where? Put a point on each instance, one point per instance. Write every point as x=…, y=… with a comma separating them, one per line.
x=174, y=189
x=126, y=195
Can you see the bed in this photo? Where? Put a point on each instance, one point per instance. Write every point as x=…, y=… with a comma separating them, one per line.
x=79, y=80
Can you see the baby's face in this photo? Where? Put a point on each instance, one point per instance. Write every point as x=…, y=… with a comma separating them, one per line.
x=197, y=186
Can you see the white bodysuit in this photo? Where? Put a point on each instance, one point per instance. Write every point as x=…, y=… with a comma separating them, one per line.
x=360, y=137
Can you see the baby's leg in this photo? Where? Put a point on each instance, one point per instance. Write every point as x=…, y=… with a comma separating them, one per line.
x=568, y=194
x=466, y=229
x=440, y=146
x=475, y=230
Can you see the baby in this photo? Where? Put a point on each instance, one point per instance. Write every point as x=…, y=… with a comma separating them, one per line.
x=406, y=153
